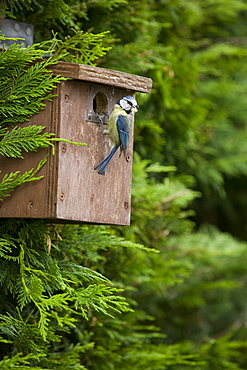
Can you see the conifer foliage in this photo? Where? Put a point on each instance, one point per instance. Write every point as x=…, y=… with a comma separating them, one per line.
x=24, y=85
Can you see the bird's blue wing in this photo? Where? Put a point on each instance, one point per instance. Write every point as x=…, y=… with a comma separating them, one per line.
x=123, y=131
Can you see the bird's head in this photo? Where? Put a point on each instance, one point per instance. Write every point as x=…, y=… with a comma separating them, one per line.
x=129, y=104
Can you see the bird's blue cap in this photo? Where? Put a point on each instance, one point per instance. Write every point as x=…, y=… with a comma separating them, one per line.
x=128, y=97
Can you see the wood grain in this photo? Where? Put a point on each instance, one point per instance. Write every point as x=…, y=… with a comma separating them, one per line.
x=103, y=76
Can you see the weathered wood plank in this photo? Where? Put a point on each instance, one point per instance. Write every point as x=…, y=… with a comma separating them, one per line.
x=83, y=194
x=103, y=76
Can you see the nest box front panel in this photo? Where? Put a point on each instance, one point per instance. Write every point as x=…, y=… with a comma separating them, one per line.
x=83, y=194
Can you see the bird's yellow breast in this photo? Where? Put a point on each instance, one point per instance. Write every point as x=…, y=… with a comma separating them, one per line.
x=112, y=127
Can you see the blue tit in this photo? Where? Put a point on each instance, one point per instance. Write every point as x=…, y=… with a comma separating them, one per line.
x=119, y=125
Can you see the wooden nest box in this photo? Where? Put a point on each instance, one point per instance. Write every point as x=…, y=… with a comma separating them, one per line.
x=71, y=190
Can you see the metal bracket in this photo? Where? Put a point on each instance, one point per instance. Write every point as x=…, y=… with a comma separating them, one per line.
x=12, y=28
x=93, y=117
x=100, y=99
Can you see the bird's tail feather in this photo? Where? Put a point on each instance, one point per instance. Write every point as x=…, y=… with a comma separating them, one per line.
x=102, y=165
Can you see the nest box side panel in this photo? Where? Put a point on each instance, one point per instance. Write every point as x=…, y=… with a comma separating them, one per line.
x=29, y=199
x=83, y=194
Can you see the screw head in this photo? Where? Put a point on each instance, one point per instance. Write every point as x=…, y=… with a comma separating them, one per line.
x=66, y=98
x=17, y=27
x=126, y=205
x=62, y=196
x=64, y=147
x=127, y=157
x=28, y=31
x=30, y=204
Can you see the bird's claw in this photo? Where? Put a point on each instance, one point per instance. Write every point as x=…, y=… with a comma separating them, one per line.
x=100, y=119
x=106, y=114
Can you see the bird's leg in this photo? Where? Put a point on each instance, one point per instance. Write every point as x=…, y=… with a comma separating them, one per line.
x=100, y=119
x=106, y=114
